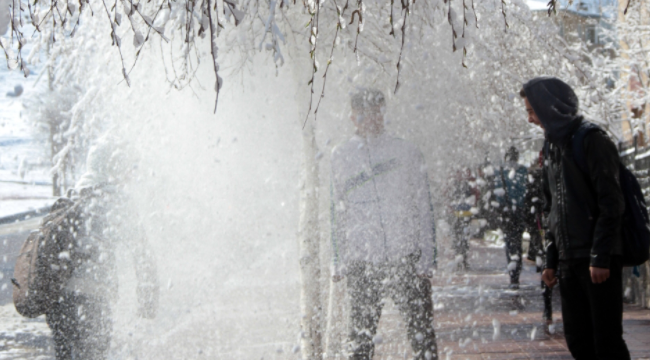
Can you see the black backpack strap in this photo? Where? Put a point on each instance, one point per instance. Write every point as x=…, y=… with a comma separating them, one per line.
x=577, y=144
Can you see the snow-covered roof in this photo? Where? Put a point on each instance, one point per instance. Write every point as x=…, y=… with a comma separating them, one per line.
x=590, y=8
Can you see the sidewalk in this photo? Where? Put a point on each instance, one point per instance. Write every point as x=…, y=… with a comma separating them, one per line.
x=470, y=309
x=477, y=317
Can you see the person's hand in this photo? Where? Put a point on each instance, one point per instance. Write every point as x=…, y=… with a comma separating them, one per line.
x=598, y=275
x=548, y=276
x=337, y=278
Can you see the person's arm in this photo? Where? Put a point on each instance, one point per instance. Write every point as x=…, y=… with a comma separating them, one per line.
x=427, y=244
x=603, y=165
x=515, y=188
x=550, y=267
x=498, y=188
x=529, y=205
x=551, y=247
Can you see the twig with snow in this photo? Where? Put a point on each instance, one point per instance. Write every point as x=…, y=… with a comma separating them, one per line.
x=339, y=25
x=314, y=10
x=213, y=50
x=406, y=10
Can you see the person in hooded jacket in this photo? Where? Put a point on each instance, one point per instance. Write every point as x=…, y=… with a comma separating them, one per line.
x=583, y=213
x=383, y=234
x=81, y=320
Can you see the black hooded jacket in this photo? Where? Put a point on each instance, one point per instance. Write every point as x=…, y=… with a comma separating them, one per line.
x=583, y=210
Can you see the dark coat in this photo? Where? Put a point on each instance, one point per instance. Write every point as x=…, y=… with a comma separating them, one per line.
x=583, y=211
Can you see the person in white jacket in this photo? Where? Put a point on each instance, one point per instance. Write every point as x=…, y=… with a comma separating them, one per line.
x=383, y=233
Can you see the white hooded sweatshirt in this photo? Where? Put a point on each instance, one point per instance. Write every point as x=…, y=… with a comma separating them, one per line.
x=110, y=220
x=381, y=206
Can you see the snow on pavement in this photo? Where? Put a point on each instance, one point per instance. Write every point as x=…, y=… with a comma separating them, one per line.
x=23, y=338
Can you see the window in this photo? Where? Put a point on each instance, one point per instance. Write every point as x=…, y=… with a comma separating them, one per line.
x=590, y=34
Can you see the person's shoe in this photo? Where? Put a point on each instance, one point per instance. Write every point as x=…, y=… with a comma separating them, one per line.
x=549, y=328
x=513, y=286
x=465, y=265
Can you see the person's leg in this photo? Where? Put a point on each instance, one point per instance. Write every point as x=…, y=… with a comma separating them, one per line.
x=516, y=242
x=94, y=328
x=61, y=323
x=547, y=294
x=606, y=301
x=457, y=230
x=412, y=295
x=576, y=313
x=461, y=245
x=364, y=291
x=507, y=230
x=507, y=248
x=513, y=232
x=464, y=243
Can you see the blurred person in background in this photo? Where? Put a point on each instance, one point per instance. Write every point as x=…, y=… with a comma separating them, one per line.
x=383, y=233
x=510, y=190
x=81, y=321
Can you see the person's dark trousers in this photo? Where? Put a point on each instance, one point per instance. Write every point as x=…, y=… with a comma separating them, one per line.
x=513, y=231
x=593, y=313
x=547, y=294
x=367, y=285
x=81, y=328
x=461, y=239
x=536, y=246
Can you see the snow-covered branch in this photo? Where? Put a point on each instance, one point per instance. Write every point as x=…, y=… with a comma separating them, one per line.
x=191, y=20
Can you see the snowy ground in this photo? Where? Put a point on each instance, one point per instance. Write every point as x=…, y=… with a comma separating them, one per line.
x=227, y=319
x=22, y=338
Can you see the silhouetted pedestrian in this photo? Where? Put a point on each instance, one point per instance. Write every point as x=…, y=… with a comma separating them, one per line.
x=382, y=230
x=584, y=212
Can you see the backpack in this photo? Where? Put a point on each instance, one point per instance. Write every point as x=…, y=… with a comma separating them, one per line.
x=635, y=224
x=46, y=260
